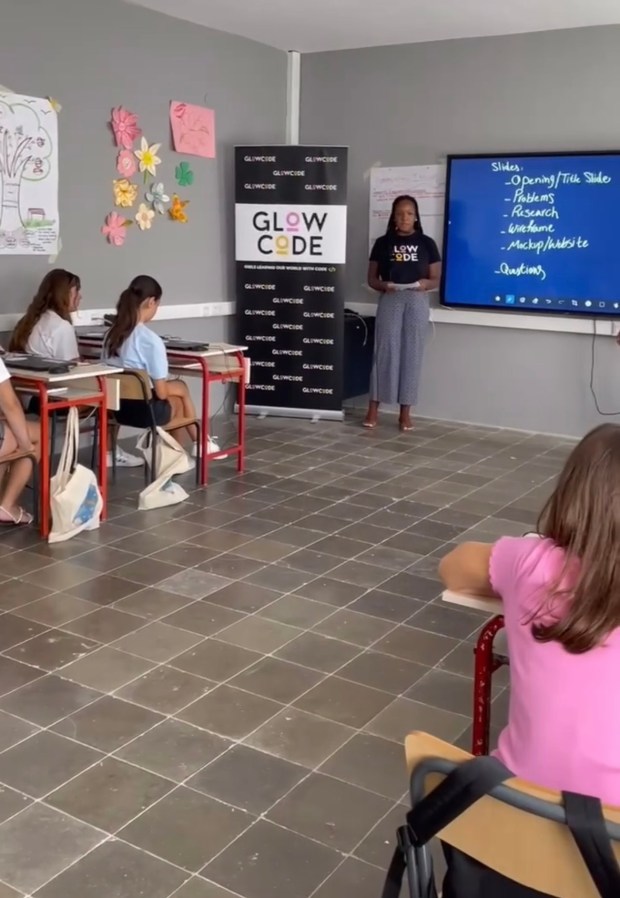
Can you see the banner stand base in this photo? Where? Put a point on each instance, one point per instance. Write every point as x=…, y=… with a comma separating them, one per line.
x=313, y=414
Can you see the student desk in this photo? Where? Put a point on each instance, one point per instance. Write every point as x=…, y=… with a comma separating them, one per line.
x=221, y=363
x=486, y=662
x=74, y=392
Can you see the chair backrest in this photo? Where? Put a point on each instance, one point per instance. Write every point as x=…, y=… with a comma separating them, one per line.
x=134, y=384
x=524, y=846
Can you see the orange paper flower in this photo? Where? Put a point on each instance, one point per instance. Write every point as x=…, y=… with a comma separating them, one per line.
x=177, y=210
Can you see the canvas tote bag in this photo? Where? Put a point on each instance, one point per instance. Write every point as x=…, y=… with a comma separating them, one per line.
x=75, y=499
x=170, y=459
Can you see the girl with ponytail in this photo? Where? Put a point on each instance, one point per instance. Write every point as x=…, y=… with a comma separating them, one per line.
x=132, y=344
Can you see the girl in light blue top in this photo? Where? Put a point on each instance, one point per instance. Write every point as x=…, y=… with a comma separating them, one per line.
x=134, y=345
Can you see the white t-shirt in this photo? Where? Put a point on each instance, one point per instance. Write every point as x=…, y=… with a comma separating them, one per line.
x=53, y=338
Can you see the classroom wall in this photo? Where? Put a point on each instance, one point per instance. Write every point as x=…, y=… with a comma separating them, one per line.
x=92, y=56
x=414, y=104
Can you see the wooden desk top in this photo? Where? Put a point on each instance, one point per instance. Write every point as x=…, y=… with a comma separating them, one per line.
x=490, y=604
x=80, y=372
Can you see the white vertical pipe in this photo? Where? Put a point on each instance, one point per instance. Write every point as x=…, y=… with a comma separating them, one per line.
x=293, y=96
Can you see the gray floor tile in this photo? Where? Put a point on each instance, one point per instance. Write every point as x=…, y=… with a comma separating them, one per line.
x=318, y=652
x=152, y=603
x=13, y=675
x=394, y=675
x=158, y=642
x=57, y=609
x=277, y=680
x=352, y=878
x=47, y=700
x=165, y=690
x=259, y=634
x=386, y=606
x=230, y=712
x=372, y=763
x=344, y=702
x=329, y=811
x=16, y=630
x=330, y=591
x=266, y=861
x=416, y=645
x=174, y=749
x=186, y=828
x=404, y=716
x=297, y=612
x=300, y=737
x=106, y=669
x=52, y=650
x=351, y=626
x=115, y=869
x=244, y=597
x=44, y=762
x=12, y=803
x=39, y=843
x=197, y=887
x=216, y=660
x=107, y=723
x=105, y=625
x=248, y=779
x=193, y=583
x=13, y=730
x=110, y=794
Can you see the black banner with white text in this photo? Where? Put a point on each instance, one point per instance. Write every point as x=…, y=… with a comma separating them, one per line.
x=291, y=223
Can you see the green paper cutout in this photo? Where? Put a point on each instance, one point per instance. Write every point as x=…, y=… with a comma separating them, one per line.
x=184, y=174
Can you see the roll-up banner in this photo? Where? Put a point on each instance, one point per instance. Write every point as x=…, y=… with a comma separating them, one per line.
x=291, y=224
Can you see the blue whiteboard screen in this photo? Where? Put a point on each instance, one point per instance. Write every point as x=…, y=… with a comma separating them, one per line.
x=533, y=233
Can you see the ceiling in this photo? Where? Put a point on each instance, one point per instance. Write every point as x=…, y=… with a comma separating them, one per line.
x=314, y=25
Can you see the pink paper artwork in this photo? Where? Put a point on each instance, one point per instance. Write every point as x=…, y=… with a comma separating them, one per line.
x=125, y=127
x=193, y=129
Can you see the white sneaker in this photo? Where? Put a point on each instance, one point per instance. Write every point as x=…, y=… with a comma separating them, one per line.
x=212, y=446
x=124, y=459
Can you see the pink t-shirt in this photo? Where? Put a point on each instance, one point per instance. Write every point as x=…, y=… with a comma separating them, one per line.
x=563, y=728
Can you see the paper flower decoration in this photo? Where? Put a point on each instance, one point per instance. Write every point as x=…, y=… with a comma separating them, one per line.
x=125, y=193
x=177, y=210
x=126, y=164
x=157, y=198
x=147, y=157
x=184, y=174
x=115, y=229
x=125, y=127
x=144, y=217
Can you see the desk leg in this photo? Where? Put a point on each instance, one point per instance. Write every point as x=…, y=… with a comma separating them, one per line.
x=103, y=445
x=204, y=424
x=45, y=471
x=483, y=673
x=241, y=415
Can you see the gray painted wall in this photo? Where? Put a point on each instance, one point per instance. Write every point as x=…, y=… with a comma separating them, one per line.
x=415, y=104
x=92, y=56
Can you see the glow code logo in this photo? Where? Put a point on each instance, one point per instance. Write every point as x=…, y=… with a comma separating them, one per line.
x=289, y=234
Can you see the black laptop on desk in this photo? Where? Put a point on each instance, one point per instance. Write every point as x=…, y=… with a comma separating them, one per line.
x=37, y=363
x=185, y=345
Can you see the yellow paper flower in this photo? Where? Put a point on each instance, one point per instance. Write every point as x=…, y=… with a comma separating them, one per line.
x=144, y=217
x=125, y=193
x=147, y=157
x=177, y=210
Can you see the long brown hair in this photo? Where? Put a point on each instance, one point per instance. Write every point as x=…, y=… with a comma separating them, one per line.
x=53, y=295
x=582, y=516
x=128, y=311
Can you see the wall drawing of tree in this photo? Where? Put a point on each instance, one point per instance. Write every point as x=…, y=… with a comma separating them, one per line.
x=25, y=152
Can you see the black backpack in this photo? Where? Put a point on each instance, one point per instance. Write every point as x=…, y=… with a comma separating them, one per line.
x=466, y=877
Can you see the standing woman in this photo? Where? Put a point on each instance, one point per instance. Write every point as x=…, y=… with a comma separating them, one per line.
x=404, y=267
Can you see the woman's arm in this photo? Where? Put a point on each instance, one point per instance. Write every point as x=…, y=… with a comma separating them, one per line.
x=432, y=281
x=375, y=282
x=12, y=410
x=466, y=569
x=160, y=388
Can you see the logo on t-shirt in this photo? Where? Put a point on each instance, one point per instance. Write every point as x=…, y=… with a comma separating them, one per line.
x=405, y=252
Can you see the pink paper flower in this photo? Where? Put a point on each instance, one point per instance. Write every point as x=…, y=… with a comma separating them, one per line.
x=126, y=164
x=115, y=229
x=125, y=127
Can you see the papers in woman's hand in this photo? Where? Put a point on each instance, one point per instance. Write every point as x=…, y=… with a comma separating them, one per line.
x=415, y=286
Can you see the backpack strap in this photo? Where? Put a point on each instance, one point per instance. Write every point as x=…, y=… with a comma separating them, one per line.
x=461, y=789
x=584, y=818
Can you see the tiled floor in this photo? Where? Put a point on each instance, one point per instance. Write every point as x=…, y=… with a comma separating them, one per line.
x=214, y=697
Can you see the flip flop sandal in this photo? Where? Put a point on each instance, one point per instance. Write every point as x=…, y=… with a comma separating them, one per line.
x=22, y=519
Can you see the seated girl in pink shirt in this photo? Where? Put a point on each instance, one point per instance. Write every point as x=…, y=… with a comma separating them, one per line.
x=561, y=603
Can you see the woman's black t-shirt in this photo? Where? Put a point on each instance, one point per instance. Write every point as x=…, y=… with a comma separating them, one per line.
x=404, y=260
